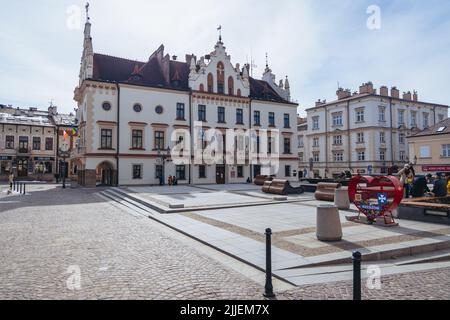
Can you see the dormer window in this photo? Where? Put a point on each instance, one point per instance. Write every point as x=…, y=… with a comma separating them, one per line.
x=210, y=83
x=230, y=86
x=220, y=78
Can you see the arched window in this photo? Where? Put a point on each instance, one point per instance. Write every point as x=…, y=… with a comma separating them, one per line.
x=230, y=86
x=220, y=78
x=210, y=83
x=202, y=87
x=239, y=92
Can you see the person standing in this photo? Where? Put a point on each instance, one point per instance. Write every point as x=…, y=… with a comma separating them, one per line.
x=440, y=187
x=419, y=187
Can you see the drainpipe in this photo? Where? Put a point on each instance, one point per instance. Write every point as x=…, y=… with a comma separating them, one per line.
x=392, y=133
x=191, y=139
x=118, y=133
x=326, y=142
x=249, y=136
x=349, y=138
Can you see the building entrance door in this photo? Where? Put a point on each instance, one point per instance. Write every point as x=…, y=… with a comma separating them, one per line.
x=22, y=167
x=220, y=174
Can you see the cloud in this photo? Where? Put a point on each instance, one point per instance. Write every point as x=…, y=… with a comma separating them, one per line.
x=315, y=43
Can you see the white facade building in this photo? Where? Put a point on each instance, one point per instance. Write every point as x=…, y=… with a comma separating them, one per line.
x=365, y=131
x=128, y=111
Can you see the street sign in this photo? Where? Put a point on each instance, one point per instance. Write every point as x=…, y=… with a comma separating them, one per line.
x=369, y=169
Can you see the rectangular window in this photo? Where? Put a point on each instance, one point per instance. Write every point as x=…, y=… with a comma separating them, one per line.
x=381, y=114
x=136, y=139
x=402, y=155
x=337, y=119
x=159, y=140
x=315, y=142
x=446, y=150
x=338, y=157
x=382, y=155
x=220, y=88
x=337, y=140
x=49, y=143
x=271, y=119
x=23, y=144
x=425, y=120
x=315, y=123
x=300, y=142
x=221, y=115
x=287, y=171
x=106, y=139
x=202, y=113
x=287, y=121
x=360, y=115
x=202, y=172
x=425, y=152
x=9, y=142
x=257, y=118
x=401, y=138
x=137, y=171
x=316, y=157
x=239, y=116
x=36, y=143
x=401, y=117
x=180, y=111
x=382, y=137
x=360, y=137
x=301, y=157
x=413, y=119
x=240, y=171
x=440, y=117
x=287, y=145
x=361, y=156
x=158, y=171
x=181, y=172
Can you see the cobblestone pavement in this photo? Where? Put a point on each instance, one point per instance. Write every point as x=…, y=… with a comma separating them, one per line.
x=424, y=285
x=119, y=256
x=47, y=236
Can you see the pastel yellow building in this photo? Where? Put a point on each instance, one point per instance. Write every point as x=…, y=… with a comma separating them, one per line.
x=430, y=148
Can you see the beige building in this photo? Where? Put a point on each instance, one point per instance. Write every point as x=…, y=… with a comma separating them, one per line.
x=430, y=148
x=30, y=139
x=365, y=131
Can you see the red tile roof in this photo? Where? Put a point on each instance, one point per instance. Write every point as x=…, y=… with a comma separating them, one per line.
x=445, y=124
x=151, y=73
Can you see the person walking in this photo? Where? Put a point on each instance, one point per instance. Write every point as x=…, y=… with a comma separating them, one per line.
x=11, y=181
x=419, y=187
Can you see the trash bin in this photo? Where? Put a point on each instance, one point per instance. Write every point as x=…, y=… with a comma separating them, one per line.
x=341, y=198
x=328, y=223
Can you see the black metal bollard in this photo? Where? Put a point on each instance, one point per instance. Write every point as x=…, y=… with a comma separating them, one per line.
x=356, y=257
x=20, y=187
x=14, y=185
x=24, y=185
x=269, y=287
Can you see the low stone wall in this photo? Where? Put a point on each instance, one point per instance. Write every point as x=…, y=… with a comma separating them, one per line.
x=432, y=210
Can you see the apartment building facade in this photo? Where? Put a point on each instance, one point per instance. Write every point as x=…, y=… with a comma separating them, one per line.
x=364, y=132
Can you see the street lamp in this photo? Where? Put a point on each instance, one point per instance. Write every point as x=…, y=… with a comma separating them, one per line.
x=64, y=153
x=163, y=156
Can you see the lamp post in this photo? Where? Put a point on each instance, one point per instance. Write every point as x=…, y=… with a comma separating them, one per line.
x=64, y=153
x=163, y=156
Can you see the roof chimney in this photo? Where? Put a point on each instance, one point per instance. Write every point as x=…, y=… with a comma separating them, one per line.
x=342, y=94
x=366, y=88
x=174, y=58
x=395, y=93
x=415, y=96
x=407, y=95
x=384, y=91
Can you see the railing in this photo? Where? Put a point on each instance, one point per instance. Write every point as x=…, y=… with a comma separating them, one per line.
x=23, y=150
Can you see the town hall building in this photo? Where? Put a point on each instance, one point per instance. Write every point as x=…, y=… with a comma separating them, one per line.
x=128, y=110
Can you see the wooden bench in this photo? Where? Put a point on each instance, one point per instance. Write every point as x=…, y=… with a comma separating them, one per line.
x=260, y=180
x=325, y=191
x=281, y=187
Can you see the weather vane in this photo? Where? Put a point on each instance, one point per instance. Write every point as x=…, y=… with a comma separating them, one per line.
x=87, y=11
x=220, y=33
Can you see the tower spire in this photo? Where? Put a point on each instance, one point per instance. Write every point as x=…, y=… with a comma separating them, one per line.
x=267, y=60
x=220, y=33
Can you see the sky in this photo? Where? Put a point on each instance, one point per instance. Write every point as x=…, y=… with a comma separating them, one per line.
x=317, y=44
